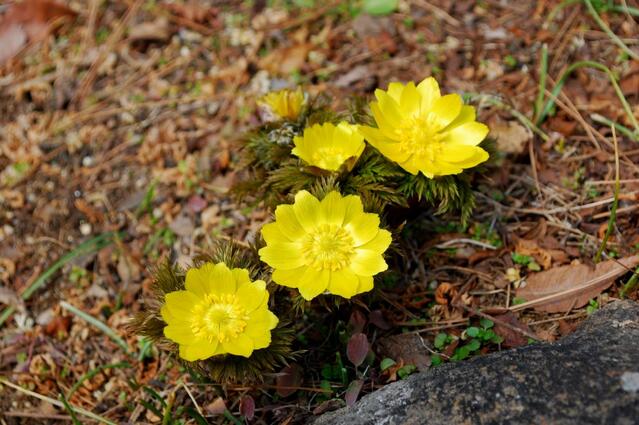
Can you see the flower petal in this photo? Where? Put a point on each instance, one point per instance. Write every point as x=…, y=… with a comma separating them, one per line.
x=365, y=284
x=333, y=208
x=343, y=283
x=240, y=346
x=241, y=276
x=181, y=334
x=368, y=263
x=283, y=256
x=467, y=114
x=470, y=133
x=222, y=280
x=389, y=107
x=379, y=243
x=289, y=225
x=313, y=282
x=198, y=279
x=306, y=209
x=363, y=228
x=446, y=109
x=429, y=90
x=252, y=295
x=272, y=233
x=198, y=351
x=289, y=278
x=395, y=90
x=410, y=104
x=180, y=303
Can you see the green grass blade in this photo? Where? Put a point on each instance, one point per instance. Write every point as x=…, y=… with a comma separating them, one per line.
x=543, y=73
x=86, y=247
x=70, y=410
x=587, y=64
x=609, y=32
x=97, y=323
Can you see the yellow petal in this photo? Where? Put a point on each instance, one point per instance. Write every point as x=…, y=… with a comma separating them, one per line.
x=410, y=104
x=272, y=233
x=180, y=334
x=395, y=90
x=343, y=283
x=306, y=209
x=289, y=278
x=467, y=114
x=429, y=90
x=240, y=346
x=353, y=208
x=313, y=282
x=241, y=276
x=199, y=351
x=379, y=243
x=446, y=109
x=389, y=107
x=283, y=256
x=387, y=129
x=333, y=208
x=263, y=317
x=171, y=319
x=252, y=295
x=470, y=133
x=457, y=154
x=388, y=147
x=367, y=263
x=289, y=225
x=365, y=284
x=180, y=303
x=197, y=279
x=222, y=280
x=363, y=228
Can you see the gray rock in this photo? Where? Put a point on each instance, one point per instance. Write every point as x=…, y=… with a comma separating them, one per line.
x=589, y=377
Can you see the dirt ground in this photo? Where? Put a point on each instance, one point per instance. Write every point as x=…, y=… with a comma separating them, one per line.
x=119, y=139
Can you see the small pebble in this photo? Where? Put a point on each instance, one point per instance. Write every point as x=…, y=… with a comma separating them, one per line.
x=87, y=161
x=85, y=229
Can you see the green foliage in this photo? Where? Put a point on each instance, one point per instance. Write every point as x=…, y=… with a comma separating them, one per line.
x=379, y=7
x=525, y=260
x=476, y=337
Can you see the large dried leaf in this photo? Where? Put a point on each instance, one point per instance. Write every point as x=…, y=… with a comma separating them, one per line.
x=566, y=287
x=357, y=349
x=28, y=21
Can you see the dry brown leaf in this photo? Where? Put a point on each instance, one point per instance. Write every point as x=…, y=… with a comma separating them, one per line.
x=512, y=338
x=287, y=59
x=531, y=248
x=512, y=137
x=563, y=288
x=28, y=21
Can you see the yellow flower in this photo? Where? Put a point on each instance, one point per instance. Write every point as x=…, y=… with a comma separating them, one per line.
x=284, y=103
x=424, y=131
x=220, y=312
x=328, y=146
x=332, y=245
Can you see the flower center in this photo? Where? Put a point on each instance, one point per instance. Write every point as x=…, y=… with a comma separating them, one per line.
x=328, y=247
x=421, y=136
x=219, y=317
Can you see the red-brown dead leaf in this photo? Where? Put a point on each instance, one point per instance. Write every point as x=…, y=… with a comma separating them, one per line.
x=357, y=349
x=531, y=248
x=352, y=392
x=288, y=380
x=444, y=293
x=511, y=337
x=286, y=59
x=217, y=407
x=571, y=286
x=247, y=407
x=28, y=21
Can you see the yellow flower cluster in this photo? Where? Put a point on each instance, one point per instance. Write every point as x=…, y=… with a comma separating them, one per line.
x=329, y=245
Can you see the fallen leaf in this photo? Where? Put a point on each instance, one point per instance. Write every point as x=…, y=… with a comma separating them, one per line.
x=288, y=380
x=511, y=136
x=357, y=349
x=352, y=392
x=328, y=406
x=28, y=21
x=511, y=337
x=356, y=322
x=407, y=348
x=247, y=407
x=217, y=407
x=444, y=293
x=531, y=248
x=376, y=317
x=286, y=60
x=572, y=286
x=630, y=84
x=158, y=30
